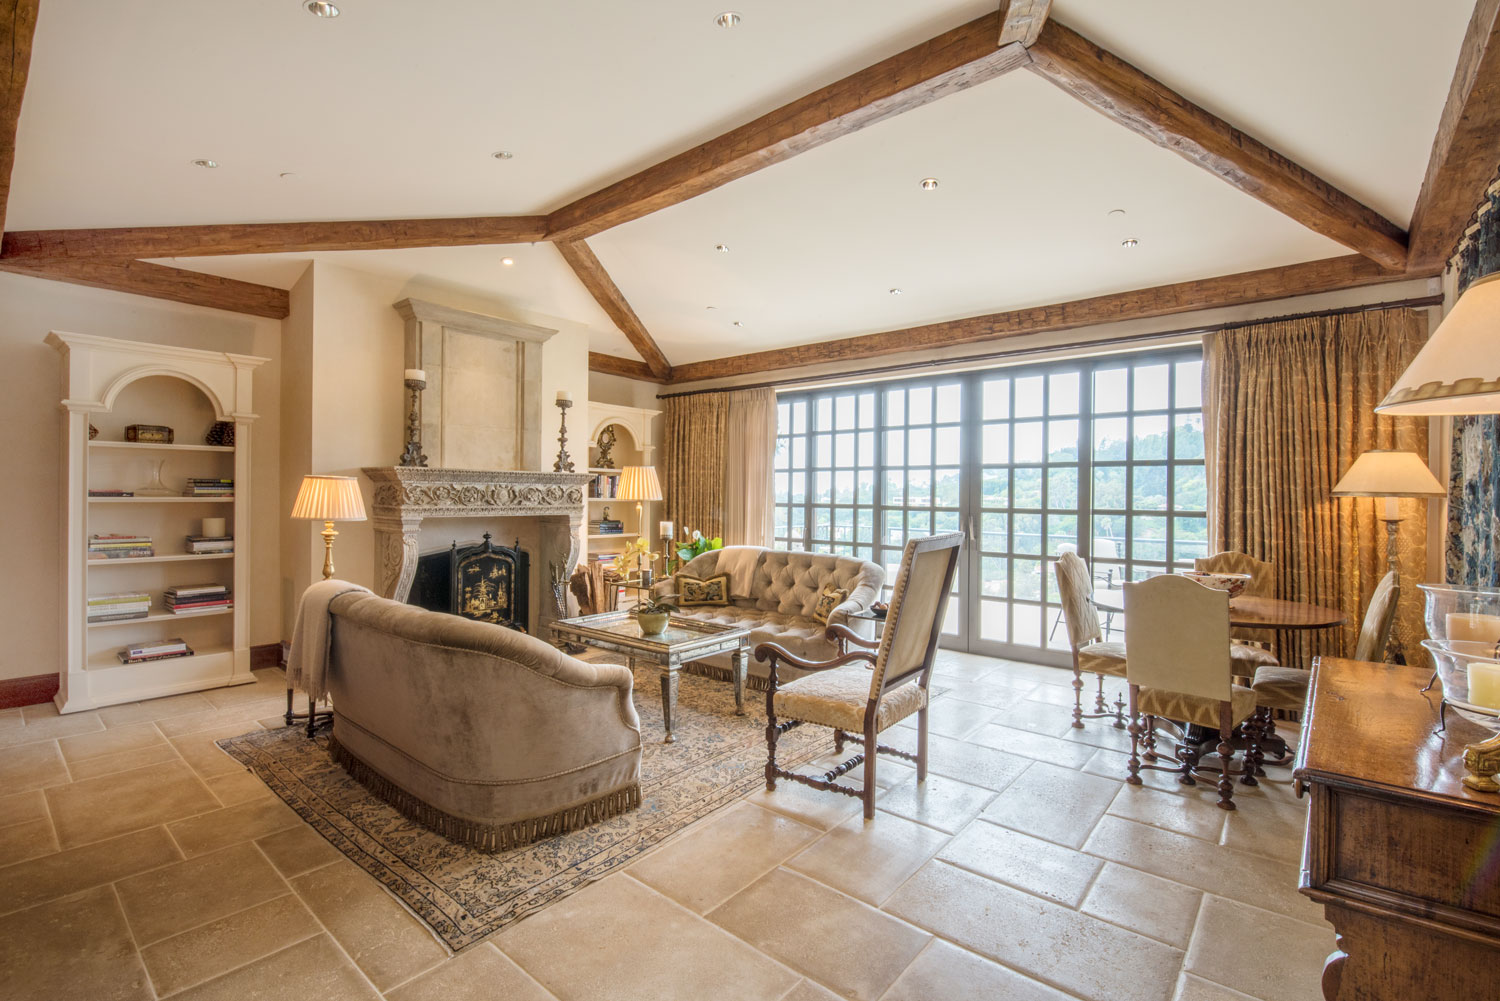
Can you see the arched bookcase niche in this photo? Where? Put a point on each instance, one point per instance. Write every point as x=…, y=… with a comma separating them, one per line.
x=634, y=446
x=139, y=491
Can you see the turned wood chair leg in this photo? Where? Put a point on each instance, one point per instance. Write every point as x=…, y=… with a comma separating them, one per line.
x=1189, y=753
x=869, y=790
x=1151, y=754
x=771, y=734
x=838, y=741
x=1077, y=697
x=1134, y=778
x=1251, y=764
x=922, y=744
x=1100, y=706
x=1226, y=785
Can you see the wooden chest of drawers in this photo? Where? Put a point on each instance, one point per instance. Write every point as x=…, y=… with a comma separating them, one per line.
x=1403, y=857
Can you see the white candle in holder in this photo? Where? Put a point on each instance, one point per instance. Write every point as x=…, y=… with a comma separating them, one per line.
x=1484, y=683
x=564, y=396
x=213, y=527
x=416, y=375
x=1475, y=627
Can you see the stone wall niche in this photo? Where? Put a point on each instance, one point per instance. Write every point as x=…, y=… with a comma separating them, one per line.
x=483, y=406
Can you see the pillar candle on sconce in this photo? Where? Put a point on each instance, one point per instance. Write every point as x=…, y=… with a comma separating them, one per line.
x=564, y=463
x=416, y=381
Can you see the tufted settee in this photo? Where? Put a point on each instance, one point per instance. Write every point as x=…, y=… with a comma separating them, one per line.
x=779, y=602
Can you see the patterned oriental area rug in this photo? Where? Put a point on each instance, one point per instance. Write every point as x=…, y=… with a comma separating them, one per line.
x=464, y=894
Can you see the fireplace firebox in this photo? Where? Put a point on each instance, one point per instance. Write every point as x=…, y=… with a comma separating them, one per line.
x=481, y=581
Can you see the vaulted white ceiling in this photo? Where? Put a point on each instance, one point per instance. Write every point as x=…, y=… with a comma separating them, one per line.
x=393, y=109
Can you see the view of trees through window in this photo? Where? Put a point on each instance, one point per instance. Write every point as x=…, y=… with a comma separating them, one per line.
x=1103, y=456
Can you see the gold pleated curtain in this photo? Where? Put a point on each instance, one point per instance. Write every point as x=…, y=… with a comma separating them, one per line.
x=695, y=433
x=1288, y=407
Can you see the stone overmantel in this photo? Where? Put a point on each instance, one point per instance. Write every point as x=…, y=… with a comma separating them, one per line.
x=405, y=496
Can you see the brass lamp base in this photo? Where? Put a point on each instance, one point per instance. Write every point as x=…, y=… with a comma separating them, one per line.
x=329, y=533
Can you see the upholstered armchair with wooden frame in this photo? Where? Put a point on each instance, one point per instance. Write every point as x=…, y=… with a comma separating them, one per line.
x=875, y=686
x=1178, y=671
x=1285, y=688
x=1091, y=652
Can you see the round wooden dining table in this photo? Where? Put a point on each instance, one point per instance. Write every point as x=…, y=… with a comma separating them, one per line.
x=1250, y=612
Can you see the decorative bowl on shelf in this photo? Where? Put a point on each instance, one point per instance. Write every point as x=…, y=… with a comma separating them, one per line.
x=1234, y=583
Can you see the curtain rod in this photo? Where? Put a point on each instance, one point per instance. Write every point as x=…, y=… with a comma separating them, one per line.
x=1426, y=300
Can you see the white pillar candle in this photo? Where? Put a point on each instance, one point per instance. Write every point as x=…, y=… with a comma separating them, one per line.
x=1474, y=626
x=1484, y=683
x=664, y=529
x=416, y=375
x=564, y=396
x=213, y=527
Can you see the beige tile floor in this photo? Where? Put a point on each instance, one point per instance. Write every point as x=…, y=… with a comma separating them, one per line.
x=139, y=861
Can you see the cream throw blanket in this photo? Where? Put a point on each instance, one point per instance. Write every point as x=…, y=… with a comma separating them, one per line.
x=739, y=563
x=307, y=661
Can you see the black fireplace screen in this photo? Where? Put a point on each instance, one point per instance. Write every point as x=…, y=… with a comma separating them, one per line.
x=483, y=581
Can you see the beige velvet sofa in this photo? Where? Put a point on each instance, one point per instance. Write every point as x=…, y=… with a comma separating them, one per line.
x=779, y=602
x=488, y=736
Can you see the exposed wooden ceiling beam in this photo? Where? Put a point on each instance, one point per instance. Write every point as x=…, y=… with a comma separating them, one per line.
x=17, y=26
x=629, y=367
x=1023, y=20
x=270, y=238
x=952, y=61
x=160, y=282
x=1164, y=300
x=1466, y=150
x=607, y=294
x=1147, y=107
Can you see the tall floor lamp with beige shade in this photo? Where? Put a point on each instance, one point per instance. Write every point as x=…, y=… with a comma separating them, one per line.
x=328, y=499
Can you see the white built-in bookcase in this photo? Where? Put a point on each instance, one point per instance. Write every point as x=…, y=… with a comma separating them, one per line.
x=114, y=383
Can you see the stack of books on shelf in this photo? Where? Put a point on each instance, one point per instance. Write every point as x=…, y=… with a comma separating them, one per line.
x=210, y=544
x=111, y=493
x=604, y=485
x=160, y=650
x=198, y=598
x=198, y=486
x=119, y=607
x=119, y=547
x=606, y=528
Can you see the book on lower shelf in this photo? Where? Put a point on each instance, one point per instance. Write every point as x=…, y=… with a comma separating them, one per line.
x=158, y=650
x=198, y=598
x=111, y=493
x=201, y=544
x=119, y=607
x=118, y=547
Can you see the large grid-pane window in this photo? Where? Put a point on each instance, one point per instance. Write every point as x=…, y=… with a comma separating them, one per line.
x=1103, y=456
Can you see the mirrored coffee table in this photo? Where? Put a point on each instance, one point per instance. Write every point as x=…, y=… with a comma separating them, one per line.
x=682, y=642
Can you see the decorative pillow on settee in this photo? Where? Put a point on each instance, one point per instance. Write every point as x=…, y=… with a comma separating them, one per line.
x=831, y=598
x=691, y=591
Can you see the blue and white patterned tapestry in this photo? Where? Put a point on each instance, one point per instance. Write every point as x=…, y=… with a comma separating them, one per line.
x=1474, y=477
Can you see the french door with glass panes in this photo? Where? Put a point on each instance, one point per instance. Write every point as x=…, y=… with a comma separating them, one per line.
x=1103, y=455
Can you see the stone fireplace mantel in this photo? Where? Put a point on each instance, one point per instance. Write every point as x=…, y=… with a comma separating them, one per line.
x=405, y=496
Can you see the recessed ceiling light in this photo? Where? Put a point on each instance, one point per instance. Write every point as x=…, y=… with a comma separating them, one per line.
x=895, y=291
x=737, y=323
x=322, y=8
x=287, y=173
x=1116, y=213
x=728, y=19
x=710, y=307
x=929, y=183
x=206, y=163
x=502, y=154
x=1129, y=242
x=507, y=261
x=721, y=248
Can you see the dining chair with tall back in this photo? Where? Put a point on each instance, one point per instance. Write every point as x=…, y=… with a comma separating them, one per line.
x=1179, y=672
x=1091, y=652
x=1285, y=688
x=1251, y=649
x=874, y=687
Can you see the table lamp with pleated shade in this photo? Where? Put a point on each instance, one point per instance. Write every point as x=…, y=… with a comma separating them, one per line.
x=329, y=499
x=1389, y=473
x=639, y=483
